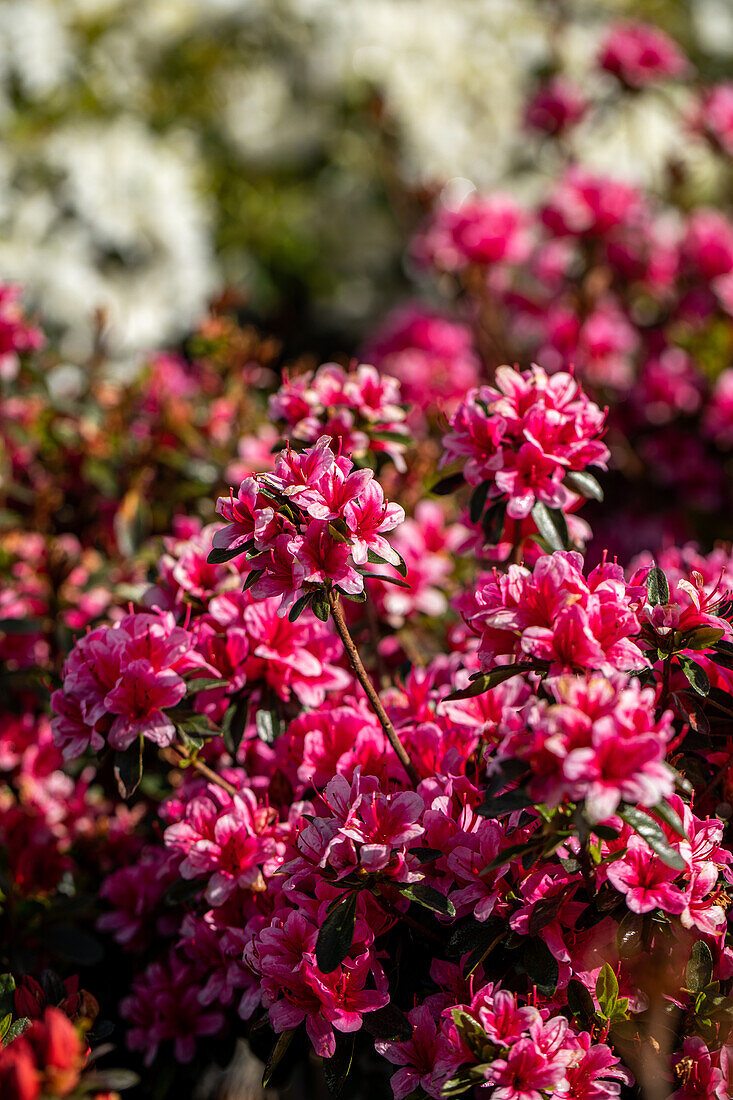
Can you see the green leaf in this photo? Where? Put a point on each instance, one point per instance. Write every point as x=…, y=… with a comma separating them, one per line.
x=702, y=637
x=650, y=831
x=541, y=967
x=204, y=683
x=427, y=855
x=699, y=973
x=128, y=768
x=278, y=1051
x=388, y=1023
x=485, y=681
x=336, y=1069
x=670, y=817
x=552, y=526
x=607, y=990
x=7, y=988
x=466, y=1078
x=630, y=935
x=320, y=606
x=500, y=805
x=234, y=724
x=584, y=484
x=544, y=913
x=580, y=1002
x=492, y=523
x=383, y=577
x=268, y=725
x=112, y=1079
x=252, y=577
x=336, y=934
x=478, y=501
x=13, y=1030
x=657, y=587
x=696, y=675
x=299, y=607
x=447, y=485
x=219, y=556
x=429, y=898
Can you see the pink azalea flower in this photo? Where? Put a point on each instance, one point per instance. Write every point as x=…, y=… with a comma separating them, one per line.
x=640, y=54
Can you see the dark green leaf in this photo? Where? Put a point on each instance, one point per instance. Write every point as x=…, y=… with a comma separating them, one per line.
x=485, y=681
x=278, y=1051
x=426, y=855
x=336, y=934
x=20, y=626
x=429, y=898
x=544, y=912
x=447, y=485
x=552, y=526
x=492, y=523
x=383, y=577
x=670, y=817
x=7, y=988
x=650, y=831
x=699, y=971
x=507, y=803
x=251, y=579
x=466, y=1078
x=299, y=607
x=696, y=675
x=541, y=967
x=320, y=606
x=204, y=683
x=478, y=501
x=336, y=1069
x=584, y=484
x=234, y=724
x=74, y=944
x=657, y=587
x=580, y=1002
x=128, y=768
x=388, y=1023
x=630, y=935
x=218, y=557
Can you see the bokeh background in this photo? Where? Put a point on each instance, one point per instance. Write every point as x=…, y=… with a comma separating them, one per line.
x=156, y=151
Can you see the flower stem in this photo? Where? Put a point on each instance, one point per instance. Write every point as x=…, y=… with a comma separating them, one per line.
x=363, y=678
x=205, y=770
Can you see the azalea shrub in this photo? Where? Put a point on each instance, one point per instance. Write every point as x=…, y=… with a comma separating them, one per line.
x=348, y=727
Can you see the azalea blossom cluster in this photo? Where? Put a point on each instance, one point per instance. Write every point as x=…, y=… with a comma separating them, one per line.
x=521, y=443
x=313, y=521
x=361, y=407
x=468, y=830
x=629, y=292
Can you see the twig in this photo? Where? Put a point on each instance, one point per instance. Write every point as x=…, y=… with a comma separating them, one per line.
x=205, y=770
x=363, y=678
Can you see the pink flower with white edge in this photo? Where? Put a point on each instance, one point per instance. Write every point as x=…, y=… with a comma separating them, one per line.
x=417, y=1056
x=558, y=615
x=296, y=991
x=646, y=882
x=368, y=518
x=232, y=841
x=120, y=681
x=523, y=434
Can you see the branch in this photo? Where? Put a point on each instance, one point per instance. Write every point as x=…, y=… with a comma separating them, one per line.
x=363, y=678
